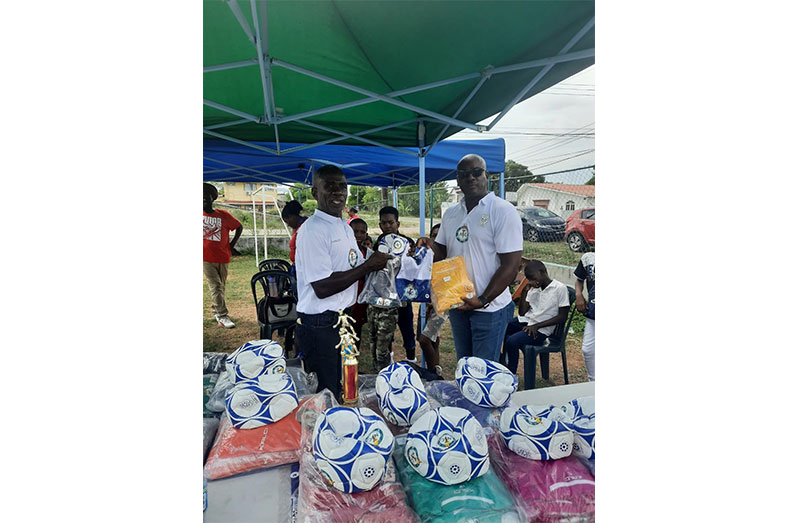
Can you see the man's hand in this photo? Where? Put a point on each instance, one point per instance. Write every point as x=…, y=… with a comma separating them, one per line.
x=581, y=305
x=531, y=330
x=469, y=304
x=424, y=242
x=377, y=261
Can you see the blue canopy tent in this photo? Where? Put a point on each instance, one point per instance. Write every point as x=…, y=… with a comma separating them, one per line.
x=362, y=164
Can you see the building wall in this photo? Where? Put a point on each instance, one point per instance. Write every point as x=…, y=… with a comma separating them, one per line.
x=242, y=192
x=527, y=194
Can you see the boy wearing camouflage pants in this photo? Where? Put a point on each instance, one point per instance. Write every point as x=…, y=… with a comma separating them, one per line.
x=382, y=323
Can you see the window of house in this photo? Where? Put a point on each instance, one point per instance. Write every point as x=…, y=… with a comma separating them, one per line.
x=249, y=187
x=570, y=206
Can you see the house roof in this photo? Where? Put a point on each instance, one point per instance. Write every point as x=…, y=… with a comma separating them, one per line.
x=582, y=190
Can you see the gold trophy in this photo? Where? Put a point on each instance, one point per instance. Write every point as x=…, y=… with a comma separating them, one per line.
x=349, y=355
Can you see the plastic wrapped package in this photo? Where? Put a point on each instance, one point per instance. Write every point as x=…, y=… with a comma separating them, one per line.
x=241, y=450
x=208, y=384
x=449, y=283
x=319, y=502
x=380, y=287
x=367, y=384
x=546, y=491
x=448, y=394
x=305, y=384
x=590, y=464
x=209, y=428
x=213, y=362
x=413, y=279
x=263, y=496
x=482, y=499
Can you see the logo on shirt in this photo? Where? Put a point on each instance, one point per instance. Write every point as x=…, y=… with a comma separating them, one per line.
x=484, y=219
x=212, y=228
x=352, y=258
x=462, y=234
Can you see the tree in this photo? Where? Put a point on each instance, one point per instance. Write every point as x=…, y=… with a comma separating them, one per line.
x=591, y=181
x=408, y=200
x=515, y=175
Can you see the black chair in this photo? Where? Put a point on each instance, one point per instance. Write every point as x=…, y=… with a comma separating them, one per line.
x=556, y=344
x=274, y=264
x=276, y=309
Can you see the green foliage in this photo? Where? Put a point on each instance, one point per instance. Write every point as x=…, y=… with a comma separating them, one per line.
x=309, y=207
x=409, y=204
x=515, y=175
x=591, y=181
x=369, y=198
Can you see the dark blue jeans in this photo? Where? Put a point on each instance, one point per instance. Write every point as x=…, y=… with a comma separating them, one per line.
x=480, y=333
x=514, y=339
x=406, y=328
x=317, y=338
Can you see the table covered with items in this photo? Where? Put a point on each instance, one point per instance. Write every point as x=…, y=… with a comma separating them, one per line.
x=471, y=449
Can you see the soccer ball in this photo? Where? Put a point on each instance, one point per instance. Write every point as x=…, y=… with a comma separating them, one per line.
x=447, y=445
x=486, y=383
x=401, y=394
x=580, y=416
x=255, y=403
x=255, y=358
x=535, y=434
x=352, y=447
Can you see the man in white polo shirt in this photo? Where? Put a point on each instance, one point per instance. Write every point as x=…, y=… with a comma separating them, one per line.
x=328, y=266
x=487, y=232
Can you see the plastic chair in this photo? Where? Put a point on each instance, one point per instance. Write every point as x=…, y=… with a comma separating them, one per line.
x=274, y=264
x=556, y=344
x=275, y=284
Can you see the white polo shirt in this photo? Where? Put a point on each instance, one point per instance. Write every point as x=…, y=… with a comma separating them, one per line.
x=324, y=245
x=544, y=304
x=493, y=227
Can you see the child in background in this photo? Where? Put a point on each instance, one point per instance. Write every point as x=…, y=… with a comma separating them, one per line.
x=428, y=339
x=359, y=310
x=217, y=250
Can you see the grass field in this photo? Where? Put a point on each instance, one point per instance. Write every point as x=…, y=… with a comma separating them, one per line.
x=242, y=311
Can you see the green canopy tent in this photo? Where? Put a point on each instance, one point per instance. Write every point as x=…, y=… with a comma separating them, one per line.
x=391, y=74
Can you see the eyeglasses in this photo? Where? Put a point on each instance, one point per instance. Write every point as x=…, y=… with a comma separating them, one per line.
x=476, y=173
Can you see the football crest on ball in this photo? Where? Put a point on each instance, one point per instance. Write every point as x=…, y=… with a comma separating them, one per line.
x=535, y=434
x=352, y=447
x=255, y=358
x=255, y=403
x=486, y=383
x=400, y=393
x=447, y=445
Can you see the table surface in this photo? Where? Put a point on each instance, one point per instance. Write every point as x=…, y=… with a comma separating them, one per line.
x=554, y=395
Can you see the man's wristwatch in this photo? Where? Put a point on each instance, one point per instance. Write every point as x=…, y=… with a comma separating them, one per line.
x=485, y=302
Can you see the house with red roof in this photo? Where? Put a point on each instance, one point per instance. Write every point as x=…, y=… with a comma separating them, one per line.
x=557, y=197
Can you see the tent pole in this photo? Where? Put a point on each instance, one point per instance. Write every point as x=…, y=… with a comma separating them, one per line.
x=501, y=185
x=431, y=208
x=265, y=229
x=254, y=225
x=422, y=309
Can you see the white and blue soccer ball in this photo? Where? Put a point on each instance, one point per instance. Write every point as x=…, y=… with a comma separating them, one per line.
x=447, y=445
x=401, y=394
x=255, y=358
x=535, y=433
x=486, y=383
x=255, y=403
x=352, y=447
x=580, y=416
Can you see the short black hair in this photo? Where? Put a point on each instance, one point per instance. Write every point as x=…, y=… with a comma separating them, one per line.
x=534, y=266
x=210, y=188
x=359, y=220
x=292, y=208
x=326, y=170
x=389, y=210
x=353, y=209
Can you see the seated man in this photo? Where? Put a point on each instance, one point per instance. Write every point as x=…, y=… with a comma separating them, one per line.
x=544, y=304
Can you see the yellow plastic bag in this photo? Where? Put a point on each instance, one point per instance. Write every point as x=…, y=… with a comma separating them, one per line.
x=449, y=283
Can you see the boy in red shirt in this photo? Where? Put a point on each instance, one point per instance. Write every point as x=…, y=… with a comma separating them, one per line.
x=216, y=250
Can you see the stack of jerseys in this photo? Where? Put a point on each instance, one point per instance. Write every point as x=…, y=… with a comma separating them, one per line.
x=449, y=283
x=241, y=450
x=209, y=428
x=319, y=502
x=208, y=384
x=413, y=279
x=213, y=362
x=547, y=491
x=483, y=499
x=263, y=496
x=448, y=394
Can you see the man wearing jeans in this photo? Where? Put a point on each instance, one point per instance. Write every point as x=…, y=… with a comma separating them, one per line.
x=328, y=266
x=486, y=231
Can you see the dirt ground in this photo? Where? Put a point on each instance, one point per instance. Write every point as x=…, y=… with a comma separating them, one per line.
x=241, y=306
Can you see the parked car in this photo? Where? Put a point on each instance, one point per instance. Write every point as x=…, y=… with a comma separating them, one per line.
x=580, y=230
x=541, y=224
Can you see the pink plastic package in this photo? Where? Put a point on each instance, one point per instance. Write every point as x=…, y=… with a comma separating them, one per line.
x=241, y=450
x=547, y=491
x=319, y=502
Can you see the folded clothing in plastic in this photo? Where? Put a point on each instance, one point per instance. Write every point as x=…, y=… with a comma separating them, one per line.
x=380, y=287
x=482, y=499
x=448, y=394
x=449, y=283
x=262, y=496
x=208, y=384
x=213, y=362
x=413, y=278
x=241, y=450
x=546, y=491
x=209, y=428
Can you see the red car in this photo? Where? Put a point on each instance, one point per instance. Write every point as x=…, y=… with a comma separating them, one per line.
x=580, y=230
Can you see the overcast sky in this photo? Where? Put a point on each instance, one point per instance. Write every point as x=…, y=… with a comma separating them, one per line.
x=566, y=107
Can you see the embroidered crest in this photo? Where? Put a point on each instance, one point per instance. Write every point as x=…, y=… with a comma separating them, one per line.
x=462, y=234
x=352, y=258
x=484, y=219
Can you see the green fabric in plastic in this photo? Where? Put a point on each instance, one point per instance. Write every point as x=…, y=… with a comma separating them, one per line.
x=483, y=499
